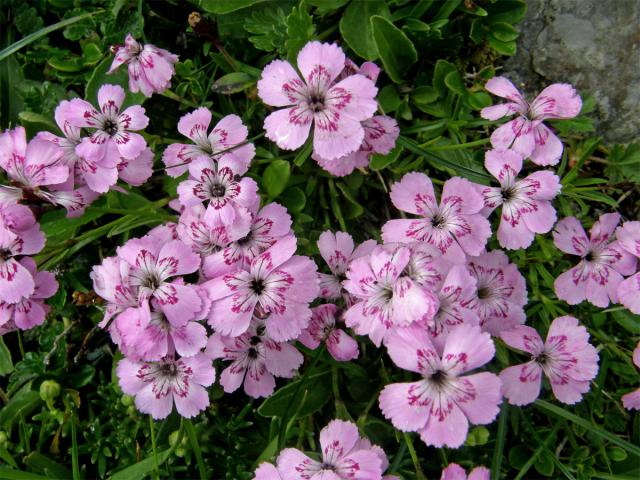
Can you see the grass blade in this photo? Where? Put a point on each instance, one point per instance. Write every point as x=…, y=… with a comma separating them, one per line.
x=498, y=453
x=193, y=439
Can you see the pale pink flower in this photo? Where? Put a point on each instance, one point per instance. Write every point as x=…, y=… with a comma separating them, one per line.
x=384, y=297
x=219, y=185
x=603, y=261
x=628, y=236
x=631, y=401
x=156, y=385
x=112, y=282
x=567, y=359
x=338, y=251
x=267, y=471
x=20, y=235
x=150, y=68
x=455, y=227
x=444, y=402
x=113, y=133
x=228, y=133
x=152, y=263
x=526, y=204
x=138, y=170
x=280, y=283
x=335, y=109
x=344, y=457
x=323, y=329
x=255, y=360
x=456, y=472
x=501, y=292
x=380, y=135
x=29, y=166
x=271, y=223
x=30, y=311
x=526, y=134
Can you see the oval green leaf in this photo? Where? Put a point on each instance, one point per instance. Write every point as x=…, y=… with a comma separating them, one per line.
x=395, y=49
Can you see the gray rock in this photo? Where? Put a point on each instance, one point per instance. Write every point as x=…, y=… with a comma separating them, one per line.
x=592, y=44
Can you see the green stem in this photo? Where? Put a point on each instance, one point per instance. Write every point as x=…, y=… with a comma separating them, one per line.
x=20, y=345
x=498, y=452
x=414, y=457
x=458, y=146
x=193, y=439
x=74, y=450
x=178, y=98
x=152, y=432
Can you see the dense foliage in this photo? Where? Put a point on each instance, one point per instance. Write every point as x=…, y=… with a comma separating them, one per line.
x=64, y=414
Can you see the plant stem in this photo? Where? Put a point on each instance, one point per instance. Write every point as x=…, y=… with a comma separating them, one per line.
x=414, y=457
x=193, y=439
x=74, y=449
x=156, y=471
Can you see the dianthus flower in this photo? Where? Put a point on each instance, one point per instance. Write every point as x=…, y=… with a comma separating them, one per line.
x=150, y=68
x=138, y=170
x=344, y=457
x=631, y=401
x=280, y=283
x=335, y=109
x=628, y=236
x=113, y=133
x=156, y=385
x=383, y=296
x=526, y=204
x=30, y=311
x=444, y=402
x=456, y=472
x=337, y=249
x=567, y=358
x=20, y=235
x=228, y=133
x=603, y=261
x=526, y=134
x=455, y=227
x=112, y=282
x=322, y=329
x=255, y=360
x=501, y=292
x=151, y=263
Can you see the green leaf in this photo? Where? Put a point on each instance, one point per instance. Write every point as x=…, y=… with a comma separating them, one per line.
x=379, y=161
x=140, y=469
x=511, y=11
x=356, y=29
x=395, y=49
x=6, y=365
x=425, y=95
x=587, y=425
x=42, y=464
x=544, y=464
x=233, y=83
x=270, y=28
x=388, y=99
x=504, y=48
x=454, y=82
x=23, y=402
x=23, y=42
x=504, y=32
x=624, y=163
x=275, y=177
x=8, y=474
x=300, y=30
x=70, y=64
x=119, y=77
x=442, y=69
x=226, y=6
x=314, y=394
x=294, y=199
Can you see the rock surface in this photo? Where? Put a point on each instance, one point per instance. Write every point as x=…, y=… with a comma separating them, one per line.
x=592, y=44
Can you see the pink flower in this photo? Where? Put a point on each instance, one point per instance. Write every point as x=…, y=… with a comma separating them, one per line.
x=628, y=236
x=455, y=226
x=526, y=134
x=219, y=185
x=29, y=166
x=383, y=296
x=138, y=170
x=152, y=263
x=255, y=360
x=444, y=402
x=156, y=385
x=567, y=358
x=335, y=110
x=380, y=135
x=270, y=224
x=150, y=68
x=344, y=457
x=228, y=133
x=30, y=311
x=501, y=292
x=322, y=328
x=267, y=471
x=338, y=251
x=526, y=204
x=280, y=283
x=603, y=262
x=113, y=136
x=456, y=472
x=111, y=280
x=20, y=235
x=631, y=401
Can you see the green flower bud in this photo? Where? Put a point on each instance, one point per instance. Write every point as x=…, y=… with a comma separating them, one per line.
x=49, y=390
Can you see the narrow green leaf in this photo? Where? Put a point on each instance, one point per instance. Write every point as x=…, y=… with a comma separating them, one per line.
x=498, y=451
x=379, y=161
x=23, y=402
x=395, y=49
x=226, y=6
x=41, y=463
x=6, y=365
x=140, y=469
x=8, y=474
x=233, y=83
x=23, y=42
